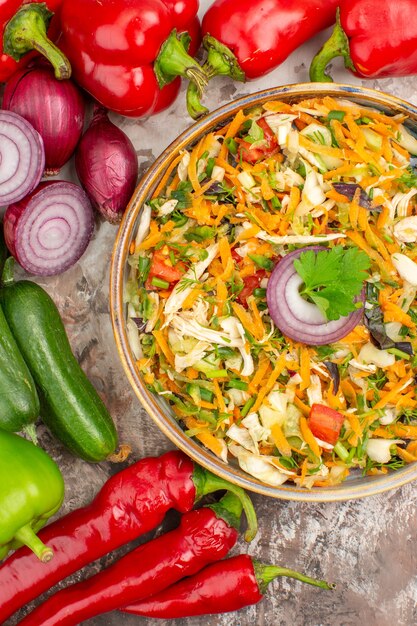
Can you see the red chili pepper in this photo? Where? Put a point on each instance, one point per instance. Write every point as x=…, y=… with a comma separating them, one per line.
x=131, y=503
x=222, y=587
x=250, y=283
x=203, y=536
x=268, y=146
x=24, y=25
x=376, y=38
x=325, y=423
x=246, y=39
x=127, y=53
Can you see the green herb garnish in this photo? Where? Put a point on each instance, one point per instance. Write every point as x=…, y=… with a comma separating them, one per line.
x=333, y=278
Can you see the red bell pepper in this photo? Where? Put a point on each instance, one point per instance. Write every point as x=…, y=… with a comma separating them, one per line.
x=130, y=504
x=222, y=587
x=203, y=536
x=161, y=270
x=269, y=146
x=325, y=423
x=246, y=39
x=376, y=38
x=250, y=283
x=126, y=53
x=24, y=25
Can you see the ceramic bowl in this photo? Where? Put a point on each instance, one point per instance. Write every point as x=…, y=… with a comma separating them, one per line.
x=355, y=486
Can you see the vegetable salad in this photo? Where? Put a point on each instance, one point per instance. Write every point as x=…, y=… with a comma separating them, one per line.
x=336, y=182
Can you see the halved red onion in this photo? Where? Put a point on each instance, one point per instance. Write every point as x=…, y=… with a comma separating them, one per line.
x=22, y=157
x=55, y=108
x=49, y=230
x=296, y=318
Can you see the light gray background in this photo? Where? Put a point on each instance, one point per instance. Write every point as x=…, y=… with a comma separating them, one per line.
x=367, y=547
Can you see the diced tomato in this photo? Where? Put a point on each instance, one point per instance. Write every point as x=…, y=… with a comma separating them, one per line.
x=325, y=423
x=250, y=283
x=236, y=256
x=161, y=269
x=270, y=145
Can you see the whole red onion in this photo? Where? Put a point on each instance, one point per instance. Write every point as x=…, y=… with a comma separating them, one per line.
x=55, y=108
x=107, y=166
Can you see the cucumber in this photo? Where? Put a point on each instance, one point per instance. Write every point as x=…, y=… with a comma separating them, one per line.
x=70, y=406
x=19, y=402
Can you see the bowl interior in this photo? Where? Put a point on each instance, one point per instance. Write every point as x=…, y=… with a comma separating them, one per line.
x=355, y=486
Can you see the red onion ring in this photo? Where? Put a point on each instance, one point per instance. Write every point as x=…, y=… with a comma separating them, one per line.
x=298, y=319
x=22, y=157
x=48, y=231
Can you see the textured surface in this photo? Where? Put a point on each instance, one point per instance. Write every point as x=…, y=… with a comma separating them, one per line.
x=367, y=547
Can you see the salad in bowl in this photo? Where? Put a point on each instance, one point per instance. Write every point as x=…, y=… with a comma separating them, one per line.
x=271, y=291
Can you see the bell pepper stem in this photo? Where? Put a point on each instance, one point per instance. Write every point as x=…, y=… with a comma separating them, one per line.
x=26, y=536
x=220, y=62
x=26, y=31
x=30, y=431
x=194, y=107
x=264, y=574
x=336, y=46
x=206, y=482
x=7, y=275
x=173, y=60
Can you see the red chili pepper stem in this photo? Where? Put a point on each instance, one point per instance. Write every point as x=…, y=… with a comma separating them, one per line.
x=27, y=30
x=265, y=574
x=336, y=46
x=205, y=482
x=173, y=60
x=220, y=62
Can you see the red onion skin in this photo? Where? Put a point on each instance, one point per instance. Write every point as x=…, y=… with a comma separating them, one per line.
x=55, y=108
x=13, y=215
x=314, y=336
x=107, y=166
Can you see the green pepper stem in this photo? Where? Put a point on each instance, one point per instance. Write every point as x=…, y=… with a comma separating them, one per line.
x=194, y=107
x=264, y=574
x=7, y=275
x=173, y=60
x=220, y=62
x=27, y=30
x=336, y=46
x=30, y=431
x=228, y=508
x=206, y=482
x=26, y=536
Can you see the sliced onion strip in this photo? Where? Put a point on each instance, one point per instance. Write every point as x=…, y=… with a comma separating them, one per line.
x=296, y=318
x=22, y=157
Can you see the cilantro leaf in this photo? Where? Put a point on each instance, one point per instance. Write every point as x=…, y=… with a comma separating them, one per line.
x=333, y=278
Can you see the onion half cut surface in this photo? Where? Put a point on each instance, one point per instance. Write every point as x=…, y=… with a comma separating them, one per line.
x=49, y=230
x=22, y=157
x=297, y=318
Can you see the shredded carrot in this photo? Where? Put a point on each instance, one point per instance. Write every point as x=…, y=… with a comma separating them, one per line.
x=162, y=183
x=163, y=344
x=304, y=368
x=276, y=372
x=280, y=440
x=309, y=437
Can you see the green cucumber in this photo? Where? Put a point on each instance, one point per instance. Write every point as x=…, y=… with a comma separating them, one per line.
x=19, y=402
x=70, y=406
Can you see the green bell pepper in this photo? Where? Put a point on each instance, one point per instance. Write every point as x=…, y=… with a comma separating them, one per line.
x=31, y=491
